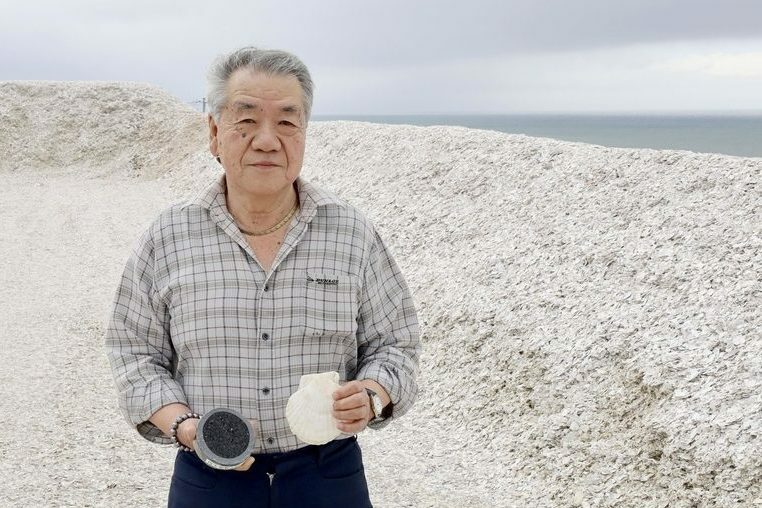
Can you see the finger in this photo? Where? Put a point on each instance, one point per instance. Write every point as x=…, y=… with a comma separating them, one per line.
x=353, y=401
x=351, y=415
x=246, y=464
x=348, y=389
x=352, y=427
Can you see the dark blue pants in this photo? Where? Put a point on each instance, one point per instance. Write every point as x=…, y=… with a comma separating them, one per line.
x=330, y=475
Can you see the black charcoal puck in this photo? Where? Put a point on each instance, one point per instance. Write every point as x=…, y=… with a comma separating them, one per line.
x=224, y=439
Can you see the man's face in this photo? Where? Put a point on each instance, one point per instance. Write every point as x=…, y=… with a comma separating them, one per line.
x=261, y=131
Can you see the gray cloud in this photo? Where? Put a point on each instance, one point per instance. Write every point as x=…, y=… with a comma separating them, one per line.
x=433, y=51
x=386, y=33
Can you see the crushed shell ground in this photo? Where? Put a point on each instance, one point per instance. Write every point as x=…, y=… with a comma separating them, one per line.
x=591, y=315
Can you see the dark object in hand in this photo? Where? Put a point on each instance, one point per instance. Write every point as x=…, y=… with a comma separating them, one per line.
x=224, y=439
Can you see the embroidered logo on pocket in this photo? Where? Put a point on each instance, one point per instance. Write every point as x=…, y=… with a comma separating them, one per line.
x=323, y=281
x=329, y=304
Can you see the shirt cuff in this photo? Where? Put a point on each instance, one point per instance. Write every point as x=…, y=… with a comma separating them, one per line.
x=157, y=395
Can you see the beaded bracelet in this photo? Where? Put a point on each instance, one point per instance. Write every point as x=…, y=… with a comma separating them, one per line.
x=173, y=430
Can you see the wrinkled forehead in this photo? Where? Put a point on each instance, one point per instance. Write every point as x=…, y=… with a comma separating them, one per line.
x=245, y=105
x=257, y=92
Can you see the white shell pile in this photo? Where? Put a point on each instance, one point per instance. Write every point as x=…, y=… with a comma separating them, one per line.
x=308, y=410
x=105, y=127
x=591, y=316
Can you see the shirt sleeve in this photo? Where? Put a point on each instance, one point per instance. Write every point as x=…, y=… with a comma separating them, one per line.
x=138, y=345
x=388, y=334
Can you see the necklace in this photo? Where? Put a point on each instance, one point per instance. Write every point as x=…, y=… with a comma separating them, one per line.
x=276, y=227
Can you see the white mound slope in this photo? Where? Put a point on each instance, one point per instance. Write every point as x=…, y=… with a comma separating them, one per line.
x=591, y=316
x=132, y=129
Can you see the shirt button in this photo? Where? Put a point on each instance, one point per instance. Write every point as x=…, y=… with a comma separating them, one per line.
x=267, y=288
x=270, y=440
x=265, y=336
x=265, y=390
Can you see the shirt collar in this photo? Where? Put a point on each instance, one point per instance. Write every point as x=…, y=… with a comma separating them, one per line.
x=310, y=196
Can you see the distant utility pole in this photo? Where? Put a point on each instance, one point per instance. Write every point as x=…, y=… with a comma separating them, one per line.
x=201, y=101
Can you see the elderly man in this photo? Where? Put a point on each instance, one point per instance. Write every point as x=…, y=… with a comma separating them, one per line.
x=229, y=298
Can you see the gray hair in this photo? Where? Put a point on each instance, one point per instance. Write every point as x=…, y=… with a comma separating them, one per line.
x=270, y=61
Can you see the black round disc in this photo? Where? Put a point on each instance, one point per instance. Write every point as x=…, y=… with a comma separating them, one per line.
x=224, y=438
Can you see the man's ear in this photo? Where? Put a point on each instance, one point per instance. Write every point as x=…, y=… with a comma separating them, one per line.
x=213, y=130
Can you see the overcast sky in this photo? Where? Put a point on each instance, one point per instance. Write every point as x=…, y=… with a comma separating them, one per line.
x=407, y=57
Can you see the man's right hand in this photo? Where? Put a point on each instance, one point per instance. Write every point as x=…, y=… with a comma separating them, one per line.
x=186, y=432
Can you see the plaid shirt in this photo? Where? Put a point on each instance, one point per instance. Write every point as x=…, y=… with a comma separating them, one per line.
x=196, y=319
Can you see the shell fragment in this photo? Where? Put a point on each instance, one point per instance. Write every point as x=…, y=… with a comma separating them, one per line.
x=308, y=410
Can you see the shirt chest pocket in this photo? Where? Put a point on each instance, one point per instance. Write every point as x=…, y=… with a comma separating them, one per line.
x=330, y=305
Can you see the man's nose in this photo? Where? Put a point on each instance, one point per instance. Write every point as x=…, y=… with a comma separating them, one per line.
x=265, y=139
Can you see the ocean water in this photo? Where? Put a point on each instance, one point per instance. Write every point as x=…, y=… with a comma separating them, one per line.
x=739, y=135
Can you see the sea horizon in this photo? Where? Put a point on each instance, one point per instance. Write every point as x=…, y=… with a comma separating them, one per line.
x=735, y=132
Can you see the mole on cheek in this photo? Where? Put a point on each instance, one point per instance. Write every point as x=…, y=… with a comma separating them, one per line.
x=243, y=134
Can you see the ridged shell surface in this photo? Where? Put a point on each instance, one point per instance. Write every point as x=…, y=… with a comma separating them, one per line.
x=308, y=410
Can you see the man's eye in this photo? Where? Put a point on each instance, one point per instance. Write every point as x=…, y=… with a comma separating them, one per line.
x=247, y=120
x=287, y=123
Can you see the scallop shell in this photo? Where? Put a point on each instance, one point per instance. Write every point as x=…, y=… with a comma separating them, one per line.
x=308, y=410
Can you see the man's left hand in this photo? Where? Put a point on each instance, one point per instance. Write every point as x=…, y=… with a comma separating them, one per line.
x=351, y=407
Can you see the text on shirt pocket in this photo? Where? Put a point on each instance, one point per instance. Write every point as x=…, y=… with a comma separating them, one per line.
x=330, y=306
